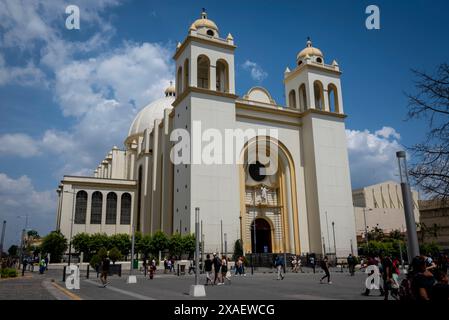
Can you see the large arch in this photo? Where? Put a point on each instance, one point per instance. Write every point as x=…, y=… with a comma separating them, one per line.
x=288, y=224
x=264, y=237
x=125, y=210
x=222, y=75
x=203, y=72
x=111, y=208
x=333, y=98
x=96, y=208
x=318, y=93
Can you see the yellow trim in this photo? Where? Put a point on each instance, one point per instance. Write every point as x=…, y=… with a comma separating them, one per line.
x=191, y=89
x=267, y=120
x=66, y=292
x=210, y=41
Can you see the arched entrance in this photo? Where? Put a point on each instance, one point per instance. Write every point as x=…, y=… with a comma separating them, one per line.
x=261, y=243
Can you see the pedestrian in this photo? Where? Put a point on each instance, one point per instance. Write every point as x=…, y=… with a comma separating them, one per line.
x=279, y=264
x=208, y=269
x=423, y=280
x=387, y=274
x=217, y=266
x=440, y=291
x=46, y=263
x=225, y=273
x=351, y=265
x=104, y=271
x=24, y=266
x=152, y=269
x=42, y=266
x=312, y=263
x=145, y=267
x=325, y=267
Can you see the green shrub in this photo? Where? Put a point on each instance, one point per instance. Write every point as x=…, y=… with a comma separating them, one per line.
x=9, y=273
x=95, y=261
x=115, y=255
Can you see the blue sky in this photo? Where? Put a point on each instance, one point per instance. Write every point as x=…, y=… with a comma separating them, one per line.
x=68, y=96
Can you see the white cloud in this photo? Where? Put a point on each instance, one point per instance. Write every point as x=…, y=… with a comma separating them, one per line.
x=256, y=72
x=18, y=197
x=372, y=156
x=27, y=75
x=18, y=144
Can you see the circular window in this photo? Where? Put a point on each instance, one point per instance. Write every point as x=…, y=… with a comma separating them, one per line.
x=210, y=33
x=254, y=171
x=319, y=60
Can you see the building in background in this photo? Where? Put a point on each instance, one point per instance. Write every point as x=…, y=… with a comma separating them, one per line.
x=381, y=206
x=434, y=222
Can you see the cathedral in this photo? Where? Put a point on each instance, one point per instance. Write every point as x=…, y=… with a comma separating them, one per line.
x=295, y=198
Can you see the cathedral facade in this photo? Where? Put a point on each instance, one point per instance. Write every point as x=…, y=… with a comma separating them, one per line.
x=295, y=198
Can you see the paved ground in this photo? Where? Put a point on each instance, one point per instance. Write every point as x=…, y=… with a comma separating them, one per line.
x=260, y=286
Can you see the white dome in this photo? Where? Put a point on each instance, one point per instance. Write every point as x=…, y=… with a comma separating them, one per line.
x=154, y=111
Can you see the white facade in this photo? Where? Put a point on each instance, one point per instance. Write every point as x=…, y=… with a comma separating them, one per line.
x=299, y=208
x=381, y=205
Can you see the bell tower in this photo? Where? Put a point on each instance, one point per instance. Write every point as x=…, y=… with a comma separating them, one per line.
x=205, y=100
x=313, y=87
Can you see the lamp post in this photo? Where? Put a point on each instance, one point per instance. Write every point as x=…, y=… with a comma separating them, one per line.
x=335, y=243
x=2, y=239
x=412, y=236
x=71, y=224
x=132, y=278
x=197, y=290
x=327, y=229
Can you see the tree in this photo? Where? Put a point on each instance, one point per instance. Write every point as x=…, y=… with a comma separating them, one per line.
x=430, y=168
x=81, y=243
x=143, y=245
x=188, y=245
x=12, y=251
x=159, y=242
x=122, y=242
x=33, y=234
x=102, y=253
x=115, y=255
x=396, y=234
x=98, y=241
x=377, y=234
x=238, y=249
x=55, y=244
x=175, y=245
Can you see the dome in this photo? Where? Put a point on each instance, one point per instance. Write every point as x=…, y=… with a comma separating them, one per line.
x=154, y=111
x=205, y=26
x=309, y=51
x=170, y=91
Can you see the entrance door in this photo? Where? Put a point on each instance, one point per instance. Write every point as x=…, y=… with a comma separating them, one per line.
x=262, y=240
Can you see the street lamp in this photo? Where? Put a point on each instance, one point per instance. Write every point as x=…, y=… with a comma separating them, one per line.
x=412, y=236
x=71, y=223
x=366, y=228
x=335, y=244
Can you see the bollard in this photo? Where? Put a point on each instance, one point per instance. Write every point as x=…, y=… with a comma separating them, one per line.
x=88, y=269
x=63, y=275
x=178, y=269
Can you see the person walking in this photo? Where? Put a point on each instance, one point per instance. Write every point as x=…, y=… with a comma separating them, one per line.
x=351, y=264
x=217, y=266
x=279, y=264
x=152, y=269
x=325, y=267
x=208, y=270
x=225, y=273
x=294, y=264
x=313, y=263
x=42, y=266
x=105, y=263
x=24, y=266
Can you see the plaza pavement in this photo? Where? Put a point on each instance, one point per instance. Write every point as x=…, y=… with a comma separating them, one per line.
x=260, y=286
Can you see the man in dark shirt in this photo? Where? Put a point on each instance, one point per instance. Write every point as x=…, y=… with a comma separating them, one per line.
x=387, y=274
x=440, y=291
x=217, y=266
x=208, y=269
x=104, y=271
x=423, y=280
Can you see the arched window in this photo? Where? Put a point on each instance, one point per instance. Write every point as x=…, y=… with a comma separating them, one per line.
x=179, y=82
x=203, y=69
x=125, y=210
x=292, y=99
x=81, y=207
x=302, y=97
x=97, y=206
x=222, y=76
x=111, y=208
x=319, y=96
x=333, y=98
x=186, y=74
